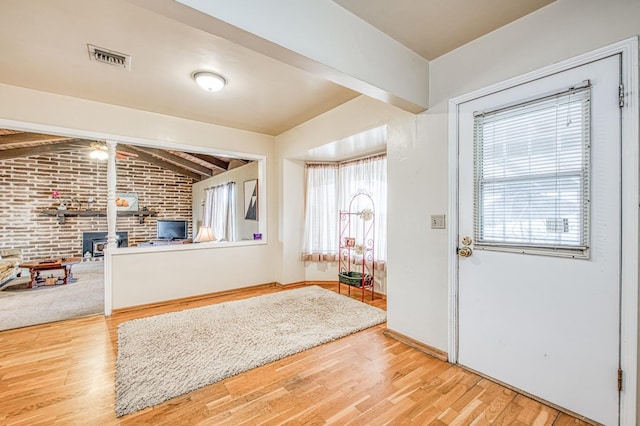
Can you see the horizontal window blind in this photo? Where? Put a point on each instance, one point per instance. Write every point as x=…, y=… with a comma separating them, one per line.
x=531, y=173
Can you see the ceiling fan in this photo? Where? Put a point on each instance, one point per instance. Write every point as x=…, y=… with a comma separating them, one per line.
x=99, y=152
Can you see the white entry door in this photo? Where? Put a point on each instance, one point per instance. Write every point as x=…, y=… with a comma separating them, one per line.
x=539, y=200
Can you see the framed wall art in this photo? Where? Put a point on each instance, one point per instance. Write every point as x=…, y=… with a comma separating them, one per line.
x=126, y=201
x=251, y=199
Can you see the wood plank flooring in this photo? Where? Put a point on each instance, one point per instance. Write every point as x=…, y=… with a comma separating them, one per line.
x=63, y=374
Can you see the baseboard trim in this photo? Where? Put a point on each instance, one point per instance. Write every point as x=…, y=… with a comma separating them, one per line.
x=294, y=284
x=327, y=283
x=217, y=294
x=197, y=298
x=324, y=283
x=429, y=350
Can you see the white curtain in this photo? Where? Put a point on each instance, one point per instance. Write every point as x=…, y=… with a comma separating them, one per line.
x=329, y=189
x=219, y=211
x=321, y=213
x=231, y=212
x=368, y=176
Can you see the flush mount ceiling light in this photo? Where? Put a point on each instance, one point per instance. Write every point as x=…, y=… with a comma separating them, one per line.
x=209, y=81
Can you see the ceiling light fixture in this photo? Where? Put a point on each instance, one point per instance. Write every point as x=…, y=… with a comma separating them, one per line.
x=98, y=151
x=209, y=81
x=98, y=154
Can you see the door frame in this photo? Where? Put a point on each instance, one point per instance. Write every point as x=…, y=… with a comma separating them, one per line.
x=630, y=249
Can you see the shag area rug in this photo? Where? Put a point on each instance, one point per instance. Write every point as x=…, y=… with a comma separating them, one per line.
x=21, y=306
x=164, y=356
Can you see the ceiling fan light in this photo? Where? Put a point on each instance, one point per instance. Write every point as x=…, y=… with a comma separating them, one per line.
x=209, y=81
x=98, y=154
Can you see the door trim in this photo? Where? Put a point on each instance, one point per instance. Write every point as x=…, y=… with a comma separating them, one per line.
x=628, y=49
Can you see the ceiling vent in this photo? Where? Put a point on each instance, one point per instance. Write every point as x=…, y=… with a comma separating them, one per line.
x=109, y=57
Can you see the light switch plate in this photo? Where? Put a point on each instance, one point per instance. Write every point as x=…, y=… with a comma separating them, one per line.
x=438, y=221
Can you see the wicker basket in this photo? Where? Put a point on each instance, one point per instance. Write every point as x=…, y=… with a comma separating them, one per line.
x=354, y=278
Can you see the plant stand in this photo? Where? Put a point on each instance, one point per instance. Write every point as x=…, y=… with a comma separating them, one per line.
x=356, y=229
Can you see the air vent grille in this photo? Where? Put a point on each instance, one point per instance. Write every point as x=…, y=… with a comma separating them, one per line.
x=109, y=57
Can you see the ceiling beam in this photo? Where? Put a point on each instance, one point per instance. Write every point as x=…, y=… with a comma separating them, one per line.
x=142, y=155
x=31, y=151
x=198, y=168
x=30, y=137
x=214, y=161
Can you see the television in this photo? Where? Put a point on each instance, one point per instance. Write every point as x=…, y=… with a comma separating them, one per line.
x=172, y=229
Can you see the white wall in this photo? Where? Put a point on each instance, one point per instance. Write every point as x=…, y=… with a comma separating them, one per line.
x=141, y=276
x=244, y=228
x=291, y=219
x=160, y=275
x=349, y=119
x=566, y=28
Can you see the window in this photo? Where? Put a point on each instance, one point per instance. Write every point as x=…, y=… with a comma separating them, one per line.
x=532, y=175
x=329, y=188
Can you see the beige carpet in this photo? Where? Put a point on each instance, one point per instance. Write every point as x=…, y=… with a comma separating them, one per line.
x=167, y=355
x=21, y=306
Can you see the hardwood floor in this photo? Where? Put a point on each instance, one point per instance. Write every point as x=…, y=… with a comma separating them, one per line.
x=63, y=373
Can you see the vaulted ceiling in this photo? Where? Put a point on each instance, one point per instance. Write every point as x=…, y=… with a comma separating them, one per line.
x=196, y=166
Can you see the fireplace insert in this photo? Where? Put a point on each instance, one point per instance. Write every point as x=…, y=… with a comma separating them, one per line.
x=94, y=243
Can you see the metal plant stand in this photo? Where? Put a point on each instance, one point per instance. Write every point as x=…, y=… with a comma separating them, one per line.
x=356, y=238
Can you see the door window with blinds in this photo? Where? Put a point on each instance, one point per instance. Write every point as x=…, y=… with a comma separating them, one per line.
x=532, y=175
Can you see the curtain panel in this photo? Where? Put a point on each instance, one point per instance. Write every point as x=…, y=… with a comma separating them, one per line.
x=329, y=189
x=321, y=213
x=219, y=211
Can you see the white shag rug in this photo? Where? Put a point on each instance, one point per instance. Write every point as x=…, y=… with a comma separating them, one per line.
x=168, y=355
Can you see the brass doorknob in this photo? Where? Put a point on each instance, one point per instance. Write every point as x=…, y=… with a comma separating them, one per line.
x=465, y=252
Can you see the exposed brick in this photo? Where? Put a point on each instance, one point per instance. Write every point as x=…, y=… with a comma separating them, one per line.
x=27, y=183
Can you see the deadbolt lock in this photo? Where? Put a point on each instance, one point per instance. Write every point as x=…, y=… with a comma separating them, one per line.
x=465, y=252
x=466, y=241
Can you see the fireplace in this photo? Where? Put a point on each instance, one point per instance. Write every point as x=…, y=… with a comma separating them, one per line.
x=98, y=248
x=94, y=243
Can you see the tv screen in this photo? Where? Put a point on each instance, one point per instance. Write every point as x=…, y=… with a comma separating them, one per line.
x=172, y=229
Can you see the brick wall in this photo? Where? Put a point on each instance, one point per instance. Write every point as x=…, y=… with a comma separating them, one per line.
x=27, y=183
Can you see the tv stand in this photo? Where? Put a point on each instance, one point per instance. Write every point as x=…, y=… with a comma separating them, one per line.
x=153, y=243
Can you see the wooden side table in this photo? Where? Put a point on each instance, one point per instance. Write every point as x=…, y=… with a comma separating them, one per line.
x=35, y=267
